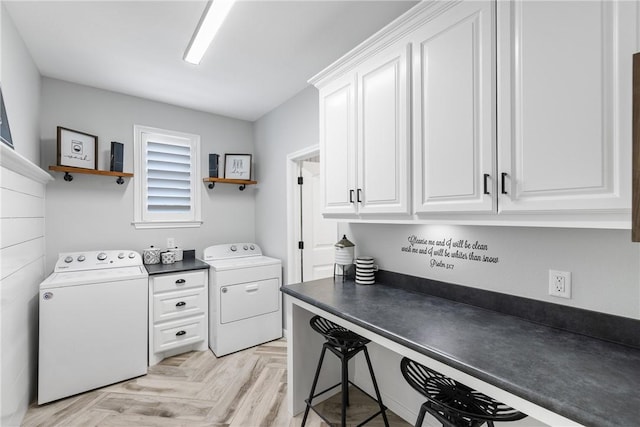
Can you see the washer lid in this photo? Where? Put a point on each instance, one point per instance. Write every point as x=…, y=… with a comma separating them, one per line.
x=246, y=262
x=85, y=277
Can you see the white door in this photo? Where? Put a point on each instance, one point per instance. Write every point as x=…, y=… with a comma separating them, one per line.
x=319, y=234
x=338, y=146
x=564, y=97
x=453, y=111
x=383, y=133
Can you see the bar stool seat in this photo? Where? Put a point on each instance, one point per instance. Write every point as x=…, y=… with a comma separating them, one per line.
x=452, y=403
x=345, y=344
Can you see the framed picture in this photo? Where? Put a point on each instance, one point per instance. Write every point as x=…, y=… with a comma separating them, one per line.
x=77, y=149
x=237, y=166
x=5, y=132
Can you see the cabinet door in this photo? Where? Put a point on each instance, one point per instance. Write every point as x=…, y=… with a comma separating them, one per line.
x=453, y=111
x=564, y=104
x=383, y=133
x=338, y=146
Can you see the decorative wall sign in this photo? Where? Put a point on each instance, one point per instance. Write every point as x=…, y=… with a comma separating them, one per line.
x=444, y=252
x=237, y=166
x=5, y=132
x=77, y=149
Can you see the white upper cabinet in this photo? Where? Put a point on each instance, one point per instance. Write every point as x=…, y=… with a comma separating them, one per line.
x=364, y=137
x=509, y=112
x=383, y=133
x=564, y=104
x=453, y=111
x=338, y=146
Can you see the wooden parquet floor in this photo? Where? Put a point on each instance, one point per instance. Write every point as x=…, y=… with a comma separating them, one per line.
x=197, y=389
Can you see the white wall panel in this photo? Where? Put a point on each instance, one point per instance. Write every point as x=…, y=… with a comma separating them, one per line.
x=20, y=230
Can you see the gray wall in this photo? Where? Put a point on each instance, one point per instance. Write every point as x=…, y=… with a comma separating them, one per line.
x=20, y=81
x=287, y=129
x=93, y=212
x=21, y=230
x=604, y=263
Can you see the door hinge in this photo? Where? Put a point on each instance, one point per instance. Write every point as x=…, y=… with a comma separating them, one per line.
x=300, y=244
x=300, y=180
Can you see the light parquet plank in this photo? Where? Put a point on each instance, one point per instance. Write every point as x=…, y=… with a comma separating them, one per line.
x=197, y=389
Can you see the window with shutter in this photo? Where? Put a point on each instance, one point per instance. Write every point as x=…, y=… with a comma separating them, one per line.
x=167, y=194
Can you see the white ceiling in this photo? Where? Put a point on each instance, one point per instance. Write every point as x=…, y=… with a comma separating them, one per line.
x=263, y=55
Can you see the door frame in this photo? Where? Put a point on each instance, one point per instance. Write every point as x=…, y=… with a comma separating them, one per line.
x=293, y=209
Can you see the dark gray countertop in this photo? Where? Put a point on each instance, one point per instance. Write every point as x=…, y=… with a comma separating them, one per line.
x=176, y=267
x=594, y=382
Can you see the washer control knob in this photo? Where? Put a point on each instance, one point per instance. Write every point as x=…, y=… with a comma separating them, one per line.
x=81, y=258
x=132, y=255
x=68, y=259
x=252, y=247
x=245, y=247
x=102, y=256
x=233, y=248
x=121, y=255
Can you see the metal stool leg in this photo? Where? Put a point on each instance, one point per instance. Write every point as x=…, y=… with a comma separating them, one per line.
x=375, y=387
x=313, y=386
x=345, y=388
x=421, y=414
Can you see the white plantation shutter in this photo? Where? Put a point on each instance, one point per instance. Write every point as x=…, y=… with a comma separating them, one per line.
x=167, y=179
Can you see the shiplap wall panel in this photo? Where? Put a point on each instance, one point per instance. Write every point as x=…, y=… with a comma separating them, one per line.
x=22, y=269
x=20, y=328
x=16, y=204
x=17, y=256
x=22, y=184
x=19, y=230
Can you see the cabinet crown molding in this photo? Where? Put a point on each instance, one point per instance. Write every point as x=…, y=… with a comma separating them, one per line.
x=391, y=33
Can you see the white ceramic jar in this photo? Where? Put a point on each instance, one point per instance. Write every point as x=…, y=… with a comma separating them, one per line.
x=345, y=251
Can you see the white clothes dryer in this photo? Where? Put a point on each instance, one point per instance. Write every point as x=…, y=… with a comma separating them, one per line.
x=245, y=303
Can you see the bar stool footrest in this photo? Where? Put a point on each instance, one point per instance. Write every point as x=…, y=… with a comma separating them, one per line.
x=339, y=384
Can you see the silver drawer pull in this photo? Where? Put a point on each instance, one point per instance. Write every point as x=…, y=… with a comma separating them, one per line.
x=181, y=304
x=180, y=333
x=180, y=282
x=251, y=288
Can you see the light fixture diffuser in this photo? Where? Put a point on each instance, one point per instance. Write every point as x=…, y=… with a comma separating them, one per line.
x=211, y=21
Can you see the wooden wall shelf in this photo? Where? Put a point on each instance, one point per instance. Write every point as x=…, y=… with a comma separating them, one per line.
x=241, y=182
x=68, y=170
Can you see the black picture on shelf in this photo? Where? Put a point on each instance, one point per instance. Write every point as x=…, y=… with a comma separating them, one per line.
x=5, y=133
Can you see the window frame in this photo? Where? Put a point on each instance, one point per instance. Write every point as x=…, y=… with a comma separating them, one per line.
x=143, y=219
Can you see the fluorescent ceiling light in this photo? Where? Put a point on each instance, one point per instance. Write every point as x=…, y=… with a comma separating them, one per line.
x=211, y=21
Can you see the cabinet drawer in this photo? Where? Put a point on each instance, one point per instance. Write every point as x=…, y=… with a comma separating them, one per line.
x=174, y=305
x=178, y=333
x=178, y=281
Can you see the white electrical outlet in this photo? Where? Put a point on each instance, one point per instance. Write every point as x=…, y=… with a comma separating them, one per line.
x=171, y=243
x=560, y=283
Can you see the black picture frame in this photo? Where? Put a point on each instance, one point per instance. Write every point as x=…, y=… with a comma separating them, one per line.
x=77, y=149
x=5, y=131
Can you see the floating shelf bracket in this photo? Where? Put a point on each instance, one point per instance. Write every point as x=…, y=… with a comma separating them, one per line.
x=242, y=184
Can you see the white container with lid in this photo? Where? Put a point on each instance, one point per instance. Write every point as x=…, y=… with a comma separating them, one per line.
x=345, y=251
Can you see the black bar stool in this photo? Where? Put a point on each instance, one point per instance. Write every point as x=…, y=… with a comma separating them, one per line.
x=452, y=403
x=345, y=345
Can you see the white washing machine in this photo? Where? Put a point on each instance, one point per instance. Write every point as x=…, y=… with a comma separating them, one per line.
x=245, y=304
x=93, y=323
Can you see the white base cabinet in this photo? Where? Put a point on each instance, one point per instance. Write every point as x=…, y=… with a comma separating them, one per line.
x=178, y=314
